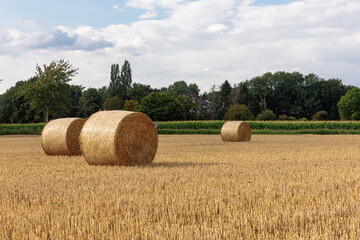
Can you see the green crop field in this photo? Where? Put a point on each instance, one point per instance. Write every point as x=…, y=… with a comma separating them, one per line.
x=214, y=127
x=264, y=127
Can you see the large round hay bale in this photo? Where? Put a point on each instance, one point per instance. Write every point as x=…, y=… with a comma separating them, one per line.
x=236, y=131
x=61, y=136
x=118, y=138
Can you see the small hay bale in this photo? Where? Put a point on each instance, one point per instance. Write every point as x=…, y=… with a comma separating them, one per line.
x=119, y=138
x=236, y=131
x=61, y=136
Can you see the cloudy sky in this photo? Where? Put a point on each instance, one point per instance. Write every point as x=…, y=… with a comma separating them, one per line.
x=199, y=41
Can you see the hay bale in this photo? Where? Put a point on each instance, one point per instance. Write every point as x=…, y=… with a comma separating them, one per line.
x=61, y=136
x=119, y=138
x=236, y=131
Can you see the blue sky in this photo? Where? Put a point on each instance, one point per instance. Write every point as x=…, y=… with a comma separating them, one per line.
x=79, y=12
x=199, y=41
x=69, y=13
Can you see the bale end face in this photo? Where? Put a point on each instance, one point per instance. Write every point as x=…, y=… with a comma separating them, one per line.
x=236, y=131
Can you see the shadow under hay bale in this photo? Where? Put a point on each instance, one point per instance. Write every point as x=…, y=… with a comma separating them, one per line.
x=119, y=138
x=61, y=136
x=236, y=131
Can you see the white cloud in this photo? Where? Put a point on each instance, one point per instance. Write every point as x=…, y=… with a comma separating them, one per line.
x=216, y=28
x=247, y=2
x=148, y=15
x=152, y=4
x=246, y=41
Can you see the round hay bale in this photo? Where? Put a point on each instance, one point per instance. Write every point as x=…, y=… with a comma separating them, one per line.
x=236, y=131
x=119, y=138
x=61, y=136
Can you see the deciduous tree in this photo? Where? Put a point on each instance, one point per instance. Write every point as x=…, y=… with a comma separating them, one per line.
x=162, y=107
x=50, y=91
x=89, y=103
x=349, y=104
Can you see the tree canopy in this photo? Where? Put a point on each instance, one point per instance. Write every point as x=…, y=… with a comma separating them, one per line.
x=162, y=107
x=50, y=91
x=89, y=102
x=279, y=95
x=349, y=104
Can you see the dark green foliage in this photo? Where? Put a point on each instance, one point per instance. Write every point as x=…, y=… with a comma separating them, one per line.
x=349, y=104
x=189, y=107
x=15, y=105
x=355, y=116
x=125, y=78
x=180, y=88
x=162, y=106
x=22, y=112
x=267, y=115
x=104, y=94
x=115, y=86
x=292, y=94
x=243, y=96
x=130, y=105
x=258, y=93
x=238, y=112
x=6, y=102
x=320, y=116
x=120, y=81
x=284, y=117
x=203, y=107
x=49, y=93
x=223, y=100
x=291, y=118
x=193, y=91
x=286, y=94
x=89, y=103
x=75, y=94
x=330, y=93
x=138, y=91
x=114, y=103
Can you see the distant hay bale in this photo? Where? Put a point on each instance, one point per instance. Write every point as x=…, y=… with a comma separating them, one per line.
x=119, y=138
x=61, y=136
x=236, y=131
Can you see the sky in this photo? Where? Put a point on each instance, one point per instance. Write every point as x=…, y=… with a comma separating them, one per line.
x=199, y=41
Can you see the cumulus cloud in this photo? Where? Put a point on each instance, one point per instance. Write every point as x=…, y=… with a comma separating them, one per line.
x=59, y=39
x=152, y=4
x=148, y=15
x=203, y=41
x=216, y=28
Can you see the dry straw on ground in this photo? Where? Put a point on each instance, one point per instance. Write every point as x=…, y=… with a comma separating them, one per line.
x=236, y=131
x=119, y=138
x=61, y=136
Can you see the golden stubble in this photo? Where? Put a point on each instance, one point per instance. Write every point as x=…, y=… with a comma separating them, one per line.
x=198, y=187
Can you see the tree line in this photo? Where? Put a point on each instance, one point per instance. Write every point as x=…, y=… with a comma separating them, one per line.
x=280, y=95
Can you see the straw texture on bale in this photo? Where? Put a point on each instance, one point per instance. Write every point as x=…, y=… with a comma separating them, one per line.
x=61, y=136
x=119, y=138
x=236, y=131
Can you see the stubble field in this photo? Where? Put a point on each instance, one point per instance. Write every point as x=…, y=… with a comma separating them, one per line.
x=274, y=187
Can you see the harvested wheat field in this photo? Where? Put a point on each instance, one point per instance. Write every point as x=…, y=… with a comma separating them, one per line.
x=198, y=187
